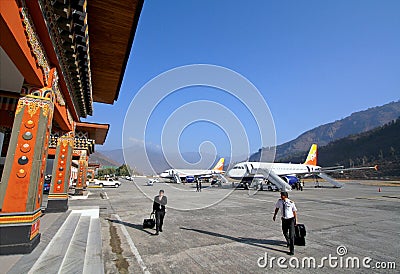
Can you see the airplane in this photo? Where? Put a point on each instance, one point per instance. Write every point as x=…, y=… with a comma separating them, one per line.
x=189, y=175
x=284, y=175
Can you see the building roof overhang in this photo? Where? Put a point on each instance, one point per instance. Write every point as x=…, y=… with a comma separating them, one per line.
x=97, y=132
x=112, y=25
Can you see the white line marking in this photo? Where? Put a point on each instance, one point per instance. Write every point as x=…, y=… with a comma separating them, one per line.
x=133, y=247
x=105, y=193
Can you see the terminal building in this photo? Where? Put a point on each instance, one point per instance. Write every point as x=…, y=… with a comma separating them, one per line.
x=57, y=57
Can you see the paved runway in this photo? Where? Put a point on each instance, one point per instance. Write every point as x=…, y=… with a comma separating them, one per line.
x=233, y=234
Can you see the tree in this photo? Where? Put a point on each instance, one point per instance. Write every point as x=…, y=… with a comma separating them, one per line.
x=106, y=171
x=123, y=170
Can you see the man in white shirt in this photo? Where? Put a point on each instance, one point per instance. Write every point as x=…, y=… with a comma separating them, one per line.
x=289, y=219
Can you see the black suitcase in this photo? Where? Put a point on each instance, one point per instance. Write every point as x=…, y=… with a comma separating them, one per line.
x=149, y=223
x=300, y=234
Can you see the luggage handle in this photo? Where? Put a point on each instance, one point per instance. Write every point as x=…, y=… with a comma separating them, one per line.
x=152, y=215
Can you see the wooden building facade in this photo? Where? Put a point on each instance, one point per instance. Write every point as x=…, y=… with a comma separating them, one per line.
x=57, y=57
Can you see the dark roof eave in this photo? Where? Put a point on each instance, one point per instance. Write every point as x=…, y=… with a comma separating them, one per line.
x=128, y=50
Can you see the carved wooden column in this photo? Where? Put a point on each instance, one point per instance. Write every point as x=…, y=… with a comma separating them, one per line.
x=58, y=195
x=21, y=187
x=82, y=173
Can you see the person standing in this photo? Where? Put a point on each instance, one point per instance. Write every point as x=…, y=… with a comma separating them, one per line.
x=289, y=219
x=159, y=204
x=197, y=185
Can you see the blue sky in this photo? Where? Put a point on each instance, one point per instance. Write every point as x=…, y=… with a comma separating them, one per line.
x=314, y=62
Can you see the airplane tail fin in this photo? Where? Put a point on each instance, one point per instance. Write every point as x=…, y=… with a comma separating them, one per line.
x=220, y=165
x=312, y=156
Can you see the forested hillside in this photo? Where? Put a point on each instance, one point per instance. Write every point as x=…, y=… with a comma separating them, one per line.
x=380, y=146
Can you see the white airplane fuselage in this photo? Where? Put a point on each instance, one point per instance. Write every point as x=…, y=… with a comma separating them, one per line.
x=248, y=169
x=169, y=173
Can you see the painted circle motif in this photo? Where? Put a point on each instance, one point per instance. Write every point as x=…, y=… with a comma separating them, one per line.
x=29, y=124
x=27, y=135
x=25, y=148
x=23, y=160
x=21, y=173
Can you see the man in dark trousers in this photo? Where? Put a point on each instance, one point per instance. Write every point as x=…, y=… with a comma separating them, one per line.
x=159, y=210
x=289, y=219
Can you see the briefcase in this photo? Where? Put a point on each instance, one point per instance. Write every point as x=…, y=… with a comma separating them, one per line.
x=300, y=234
x=149, y=223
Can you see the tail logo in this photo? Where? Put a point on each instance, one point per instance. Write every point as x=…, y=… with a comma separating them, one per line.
x=220, y=164
x=312, y=156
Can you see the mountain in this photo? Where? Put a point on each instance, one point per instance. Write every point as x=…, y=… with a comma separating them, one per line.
x=135, y=158
x=103, y=160
x=380, y=146
x=357, y=122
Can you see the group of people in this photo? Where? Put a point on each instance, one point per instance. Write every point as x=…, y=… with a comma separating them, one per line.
x=299, y=185
x=198, y=185
x=284, y=204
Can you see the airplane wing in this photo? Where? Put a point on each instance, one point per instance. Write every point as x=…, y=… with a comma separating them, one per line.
x=323, y=171
x=341, y=169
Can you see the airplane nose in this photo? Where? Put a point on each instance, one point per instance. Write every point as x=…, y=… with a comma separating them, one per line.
x=229, y=173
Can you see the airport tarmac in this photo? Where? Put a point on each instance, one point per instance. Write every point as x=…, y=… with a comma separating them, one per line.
x=232, y=235
x=357, y=223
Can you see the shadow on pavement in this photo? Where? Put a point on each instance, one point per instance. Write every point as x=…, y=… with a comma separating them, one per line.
x=135, y=226
x=249, y=241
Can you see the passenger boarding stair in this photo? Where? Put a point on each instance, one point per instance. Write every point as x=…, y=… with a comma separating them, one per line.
x=177, y=179
x=330, y=180
x=275, y=179
x=222, y=179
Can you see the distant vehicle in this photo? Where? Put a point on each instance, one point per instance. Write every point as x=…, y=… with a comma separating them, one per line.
x=150, y=182
x=109, y=182
x=270, y=186
x=214, y=181
x=129, y=178
x=46, y=184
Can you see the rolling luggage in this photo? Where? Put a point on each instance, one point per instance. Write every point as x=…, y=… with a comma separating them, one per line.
x=149, y=223
x=300, y=234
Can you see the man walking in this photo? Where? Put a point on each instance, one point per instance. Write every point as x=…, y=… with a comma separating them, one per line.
x=159, y=204
x=289, y=219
